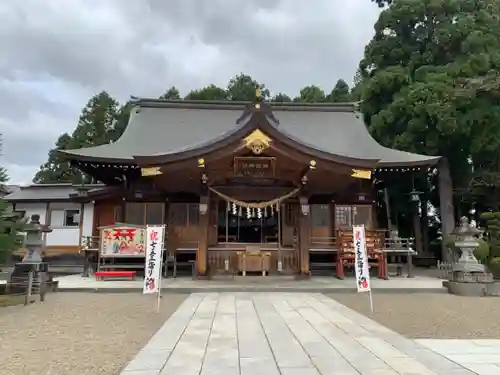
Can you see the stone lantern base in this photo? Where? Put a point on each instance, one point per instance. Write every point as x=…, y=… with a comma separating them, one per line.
x=474, y=284
x=469, y=277
x=18, y=282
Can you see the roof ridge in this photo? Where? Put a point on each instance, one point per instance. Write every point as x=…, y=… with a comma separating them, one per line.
x=226, y=104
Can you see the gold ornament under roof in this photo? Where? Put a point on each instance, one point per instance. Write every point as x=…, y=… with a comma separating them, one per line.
x=151, y=171
x=360, y=173
x=257, y=141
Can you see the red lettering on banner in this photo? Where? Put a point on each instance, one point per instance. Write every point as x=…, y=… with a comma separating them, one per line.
x=153, y=236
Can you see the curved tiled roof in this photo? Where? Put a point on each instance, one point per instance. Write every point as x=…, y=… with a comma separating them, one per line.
x=172, y=127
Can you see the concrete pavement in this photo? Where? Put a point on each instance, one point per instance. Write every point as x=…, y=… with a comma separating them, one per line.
x=280, y=334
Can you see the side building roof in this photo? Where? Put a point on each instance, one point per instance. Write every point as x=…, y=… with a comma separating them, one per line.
x=158, y=127
x=48, y=192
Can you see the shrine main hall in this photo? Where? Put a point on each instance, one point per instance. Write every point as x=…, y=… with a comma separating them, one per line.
x=248, y=187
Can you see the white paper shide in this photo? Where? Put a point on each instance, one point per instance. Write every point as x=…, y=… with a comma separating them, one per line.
x=361, y=259
x=154, y=253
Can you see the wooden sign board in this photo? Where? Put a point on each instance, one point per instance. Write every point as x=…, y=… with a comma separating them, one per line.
x=254, y=166
x=123, y=240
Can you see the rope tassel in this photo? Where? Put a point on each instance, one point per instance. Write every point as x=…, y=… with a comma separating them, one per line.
x=256, y=205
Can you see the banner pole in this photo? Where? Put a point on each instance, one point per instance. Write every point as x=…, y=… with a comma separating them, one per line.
x=160, y=278
x=159, y=291
x=371, y=300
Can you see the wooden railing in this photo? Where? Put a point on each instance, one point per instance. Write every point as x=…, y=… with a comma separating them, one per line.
x=317, y=243
x=323, y=243
x=222, y=260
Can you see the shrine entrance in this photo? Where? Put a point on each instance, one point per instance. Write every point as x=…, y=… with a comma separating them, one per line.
x=247, y=226
x=254, y=236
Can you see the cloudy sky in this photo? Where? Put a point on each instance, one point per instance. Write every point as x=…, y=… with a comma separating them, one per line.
x=56, y=53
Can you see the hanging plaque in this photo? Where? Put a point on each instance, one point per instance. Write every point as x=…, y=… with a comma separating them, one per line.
x=254, y=166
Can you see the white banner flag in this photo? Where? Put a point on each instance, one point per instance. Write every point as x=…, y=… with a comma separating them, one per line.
x=361, y=259
x=154, y=254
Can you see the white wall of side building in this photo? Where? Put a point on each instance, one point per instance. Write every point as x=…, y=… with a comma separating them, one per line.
x=62, y=234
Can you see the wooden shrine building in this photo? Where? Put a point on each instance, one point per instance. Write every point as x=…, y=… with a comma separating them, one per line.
x=264, y=184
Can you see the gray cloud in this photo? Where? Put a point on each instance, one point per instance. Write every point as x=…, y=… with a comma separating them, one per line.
x=55, y=54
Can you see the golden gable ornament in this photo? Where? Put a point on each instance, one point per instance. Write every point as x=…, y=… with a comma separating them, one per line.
x=257, y=142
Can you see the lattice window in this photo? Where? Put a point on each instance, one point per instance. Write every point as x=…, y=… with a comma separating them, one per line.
x=343, y=216
x=134, y=213
x=290, y=214
x=320, y=215
x=347, y=216
x=178, y=214
x=362, y=215
x=154, y=213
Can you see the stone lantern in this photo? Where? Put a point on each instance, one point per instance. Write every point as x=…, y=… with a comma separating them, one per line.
x=34, y=240
x=33, y=261
x=468, y=276
x=467, y=242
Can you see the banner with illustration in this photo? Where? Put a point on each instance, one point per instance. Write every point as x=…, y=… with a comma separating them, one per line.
x=123, y=240
x=154, y=253
x=361, y=259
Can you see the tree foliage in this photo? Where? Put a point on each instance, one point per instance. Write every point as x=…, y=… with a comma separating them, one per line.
x=340, y=93
x=96, y=126
x=210, y=92
x=242, y=87
x=11, y=224
x=311, y=94
x=382, y=3
x=428, y=83
x=171, y=94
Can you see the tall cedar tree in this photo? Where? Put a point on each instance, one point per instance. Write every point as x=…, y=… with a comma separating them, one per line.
x=417, y=73
x=96, y=126
x=340, y=93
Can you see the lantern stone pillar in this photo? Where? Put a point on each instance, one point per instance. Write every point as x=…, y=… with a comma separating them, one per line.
x=32, y=262
x=468, y=277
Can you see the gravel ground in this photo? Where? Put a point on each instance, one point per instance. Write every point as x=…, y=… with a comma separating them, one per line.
x=437, y=316
x=79, y=334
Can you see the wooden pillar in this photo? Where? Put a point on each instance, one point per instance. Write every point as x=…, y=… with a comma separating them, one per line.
x=48, y=218
x=80, y=226
x=425, y=215
x=417, y=229
x=388, y=209
x=445, y=205
x=170, y=243
x=304, y=235
x=86, y=261
x=201, y=254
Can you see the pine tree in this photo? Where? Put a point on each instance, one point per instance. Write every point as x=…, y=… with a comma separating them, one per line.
x=96, y=126
x=340, y=93
x=97, y=121
x=56, y=169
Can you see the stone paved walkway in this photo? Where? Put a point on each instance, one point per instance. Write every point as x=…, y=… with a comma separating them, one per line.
x=480, y=356
x=317, y=284
x=280, y=334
